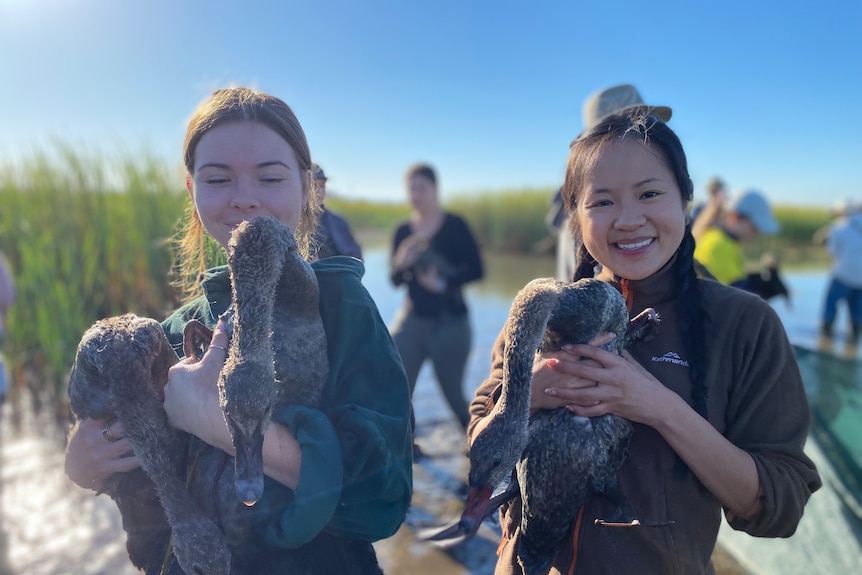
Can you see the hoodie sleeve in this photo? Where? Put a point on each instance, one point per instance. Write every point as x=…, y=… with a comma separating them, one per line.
x=769, y=417
x=356, y=478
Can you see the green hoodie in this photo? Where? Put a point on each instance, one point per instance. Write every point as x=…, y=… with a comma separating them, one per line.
x=356, y=477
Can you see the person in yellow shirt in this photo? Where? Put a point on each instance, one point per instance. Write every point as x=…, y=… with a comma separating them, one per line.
x=719, y=248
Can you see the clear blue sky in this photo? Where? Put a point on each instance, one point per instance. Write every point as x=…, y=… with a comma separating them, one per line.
x=765, y=94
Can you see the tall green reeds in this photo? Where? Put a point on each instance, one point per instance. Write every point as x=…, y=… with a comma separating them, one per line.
x=87, y=239
x=793, y=245
x=507, y=221
x=367, y=215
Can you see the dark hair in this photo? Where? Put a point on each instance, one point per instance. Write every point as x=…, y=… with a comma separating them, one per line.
x=640, y=126
x=423, y=170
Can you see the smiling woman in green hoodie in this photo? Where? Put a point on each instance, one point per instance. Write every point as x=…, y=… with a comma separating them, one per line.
x=338, y=476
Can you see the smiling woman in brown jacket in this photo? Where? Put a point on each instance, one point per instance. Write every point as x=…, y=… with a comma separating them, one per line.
x=719, y=411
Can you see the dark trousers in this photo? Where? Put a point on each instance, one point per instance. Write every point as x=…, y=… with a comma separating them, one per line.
x=853, y=296
x=446, y=341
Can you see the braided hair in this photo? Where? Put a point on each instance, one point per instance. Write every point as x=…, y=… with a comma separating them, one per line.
x=639, y=125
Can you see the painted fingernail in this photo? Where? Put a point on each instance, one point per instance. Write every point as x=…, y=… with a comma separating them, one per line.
x=551, y=391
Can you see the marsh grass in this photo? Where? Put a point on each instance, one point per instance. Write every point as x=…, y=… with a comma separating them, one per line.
x=794, y=246
x=366, y=215
x=88, y=237
x=86, y=240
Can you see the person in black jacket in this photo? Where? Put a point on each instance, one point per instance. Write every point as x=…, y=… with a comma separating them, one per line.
x=435, y=255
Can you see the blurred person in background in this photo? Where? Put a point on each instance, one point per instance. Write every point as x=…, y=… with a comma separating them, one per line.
x=7, y=288
x=843, y=240
x=7, y=298
x=435, y=255
x=719, y=248
x=708, y=213
x=333, y=236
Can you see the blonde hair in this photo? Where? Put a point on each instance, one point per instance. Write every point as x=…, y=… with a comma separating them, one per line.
x=196, y=251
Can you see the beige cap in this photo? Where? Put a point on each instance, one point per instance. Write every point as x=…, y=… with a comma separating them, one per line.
x=616, y=99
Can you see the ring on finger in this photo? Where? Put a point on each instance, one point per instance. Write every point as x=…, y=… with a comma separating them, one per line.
x=108, y=434
x=221, y=347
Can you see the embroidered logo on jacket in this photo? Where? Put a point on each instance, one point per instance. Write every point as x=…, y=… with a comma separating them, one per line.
x=671, y=357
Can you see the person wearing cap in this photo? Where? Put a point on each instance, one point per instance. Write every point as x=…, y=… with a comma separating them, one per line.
x=719, y=248
x=596, y=108
x=844, y=243
x=333, y=236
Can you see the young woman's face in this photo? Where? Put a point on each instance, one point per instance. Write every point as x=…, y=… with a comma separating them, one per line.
x=631, y=211
x=423, y=193
x=242, y=170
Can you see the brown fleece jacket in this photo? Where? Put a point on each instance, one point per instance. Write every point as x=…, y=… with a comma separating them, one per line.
x=756, y=400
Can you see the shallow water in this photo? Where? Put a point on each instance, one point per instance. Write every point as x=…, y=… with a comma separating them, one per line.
x=52, y=527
